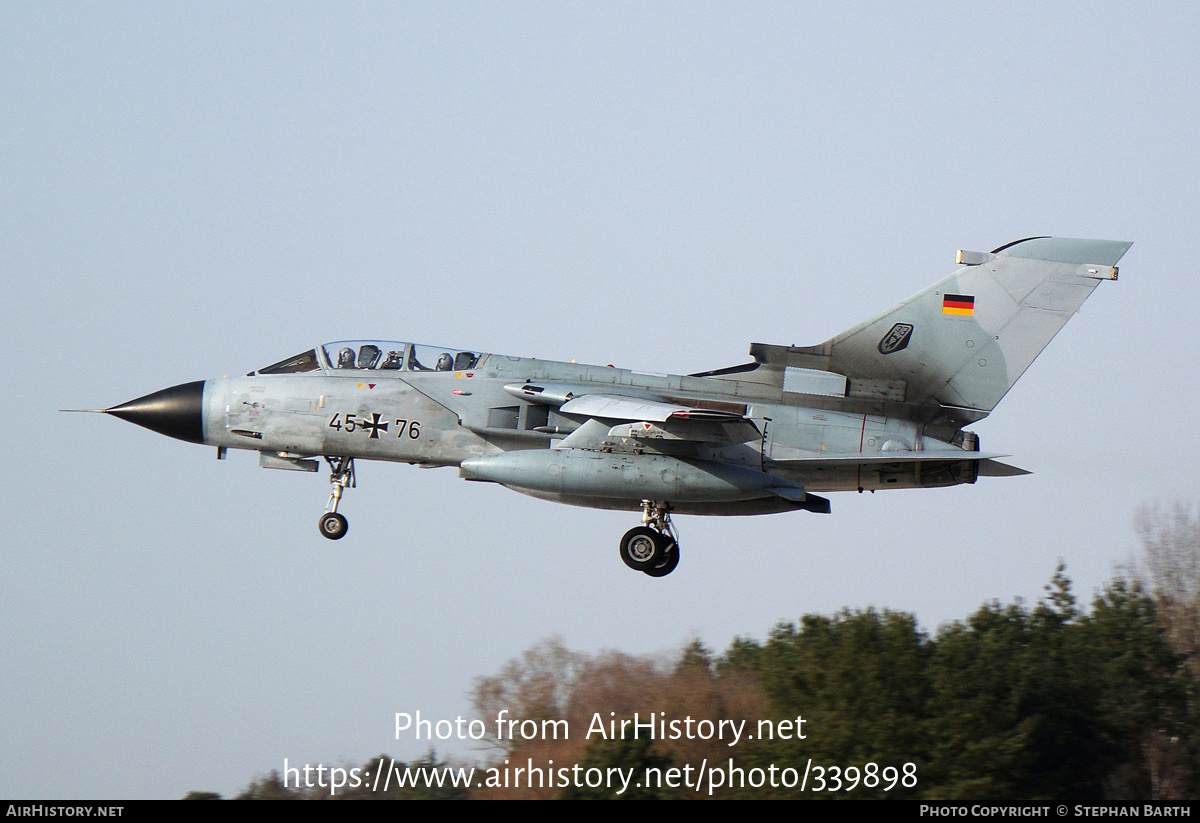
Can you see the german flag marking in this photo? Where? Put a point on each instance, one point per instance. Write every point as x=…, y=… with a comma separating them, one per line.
x=960, y=304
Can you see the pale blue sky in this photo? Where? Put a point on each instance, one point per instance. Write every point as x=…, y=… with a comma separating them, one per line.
x=201, y=189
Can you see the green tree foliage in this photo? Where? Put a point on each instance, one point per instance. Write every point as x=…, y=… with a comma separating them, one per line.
x=743, y=655
x=1142, y=708
x=270, y=787
x=1012, y=712
x=695, y=656
x=858, y=679
x=638, y=754
x=980, y=736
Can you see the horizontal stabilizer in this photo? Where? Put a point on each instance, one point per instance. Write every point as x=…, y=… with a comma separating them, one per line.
x=807, y=502
x=994, y=468
x=815, y=504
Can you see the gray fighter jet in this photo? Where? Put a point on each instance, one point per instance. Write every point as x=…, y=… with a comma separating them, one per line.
x=880, y=406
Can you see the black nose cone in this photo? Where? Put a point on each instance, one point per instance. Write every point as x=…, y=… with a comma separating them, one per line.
x=176, y=412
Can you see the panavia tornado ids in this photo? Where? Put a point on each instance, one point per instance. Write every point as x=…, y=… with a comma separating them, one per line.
x=883, y=405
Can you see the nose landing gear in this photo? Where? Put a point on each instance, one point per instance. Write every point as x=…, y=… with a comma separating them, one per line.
x=341, y=476
x=653, y=547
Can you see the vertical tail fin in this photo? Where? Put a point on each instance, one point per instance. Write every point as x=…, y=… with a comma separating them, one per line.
x=964, y=341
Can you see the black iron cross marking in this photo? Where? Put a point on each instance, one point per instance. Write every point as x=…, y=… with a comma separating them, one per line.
x=374, y=426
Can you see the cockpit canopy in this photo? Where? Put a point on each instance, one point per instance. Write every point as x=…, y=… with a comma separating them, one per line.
x=377, y=355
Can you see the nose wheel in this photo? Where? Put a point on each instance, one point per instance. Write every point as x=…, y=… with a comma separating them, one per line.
x=653, y=547
x=333, y=525
x=341, y=476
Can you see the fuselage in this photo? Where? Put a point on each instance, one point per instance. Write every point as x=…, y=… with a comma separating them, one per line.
x=350, y=399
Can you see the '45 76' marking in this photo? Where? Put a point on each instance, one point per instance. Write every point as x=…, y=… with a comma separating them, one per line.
x=350, y=422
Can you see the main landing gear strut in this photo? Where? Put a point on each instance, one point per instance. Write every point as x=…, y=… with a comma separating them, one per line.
x=652, y=547
x=341, y=476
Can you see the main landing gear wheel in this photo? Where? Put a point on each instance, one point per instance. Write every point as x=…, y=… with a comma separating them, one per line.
x=652, y=547
x=643, y=548
x=333, y=525
x=668, y=565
